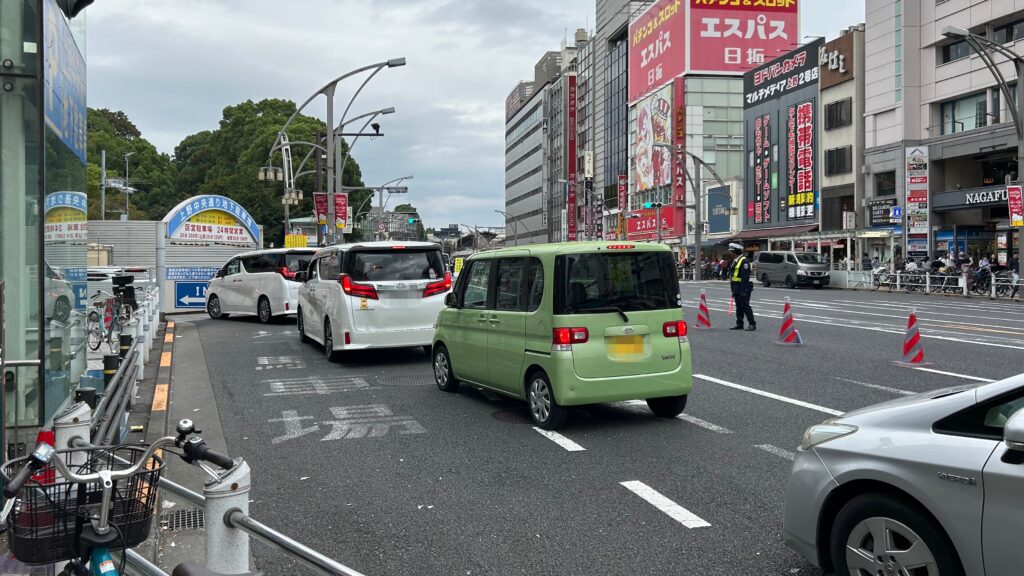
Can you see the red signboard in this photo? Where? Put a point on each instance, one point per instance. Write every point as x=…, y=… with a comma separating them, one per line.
x=570, y=157
x=320, y=205
x=800, y=200
x=645, y=227
x=657, y=47
x=340, y=210
x=623, y=201
x=917, y=196
x=1015, y=198
x=918, y=179
x=679, y=156
x=737, y=35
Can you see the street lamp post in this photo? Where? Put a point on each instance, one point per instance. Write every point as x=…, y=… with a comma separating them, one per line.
x=698, y=204
x=515, y=224
x=328, y=91
x=1014, y=102
x=127, y=188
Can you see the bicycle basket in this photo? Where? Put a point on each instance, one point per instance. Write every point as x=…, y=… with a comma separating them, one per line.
x=49, y=514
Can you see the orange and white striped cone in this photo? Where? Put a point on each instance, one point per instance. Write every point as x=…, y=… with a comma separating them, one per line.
x=703, y=316
x=732, y=302
x=788, y=334
x=913, y=353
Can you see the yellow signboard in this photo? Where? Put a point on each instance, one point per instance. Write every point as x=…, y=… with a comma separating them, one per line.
x=458, y=265
x=295, y=241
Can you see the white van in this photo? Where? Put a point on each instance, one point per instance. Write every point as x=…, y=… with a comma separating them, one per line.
x=262, y=283
x=372, y=295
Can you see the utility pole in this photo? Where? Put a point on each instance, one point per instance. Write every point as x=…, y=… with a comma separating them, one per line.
x=103, y=184
x=127, y=188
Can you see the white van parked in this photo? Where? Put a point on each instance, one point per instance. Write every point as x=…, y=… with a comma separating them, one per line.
x=372, y=295
x=262, y=283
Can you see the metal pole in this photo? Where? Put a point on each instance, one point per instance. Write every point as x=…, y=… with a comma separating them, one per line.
x=103, y=184
x=126, y=186
x=238, y=519
x=329, y=93
x=1020, y=129
x=699, y=228
x=658, y=206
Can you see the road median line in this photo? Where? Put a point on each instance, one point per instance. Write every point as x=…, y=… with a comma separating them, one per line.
x=954, y=374
x=780, y=452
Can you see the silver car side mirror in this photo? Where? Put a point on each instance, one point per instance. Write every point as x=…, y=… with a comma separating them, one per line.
x=1013, y=432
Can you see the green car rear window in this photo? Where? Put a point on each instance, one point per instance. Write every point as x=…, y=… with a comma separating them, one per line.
x=630, y=281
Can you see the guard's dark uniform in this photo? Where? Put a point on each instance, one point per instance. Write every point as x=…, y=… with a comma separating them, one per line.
x=742, y=287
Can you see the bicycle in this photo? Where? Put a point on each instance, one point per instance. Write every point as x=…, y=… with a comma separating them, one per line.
x=115, y=315
x=82, y=503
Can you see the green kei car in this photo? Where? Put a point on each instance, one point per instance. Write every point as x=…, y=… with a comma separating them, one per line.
x=567, y=324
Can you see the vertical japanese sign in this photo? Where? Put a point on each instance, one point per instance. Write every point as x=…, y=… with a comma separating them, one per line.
x=320, y=205
x=1015, y=199
x=340, y=210
x=735, y=36
x=760, y=208
x=570, y=156
x=657, y=47
x=800, y=197
x=623, y=205
x=653, y=133
x=679, y=156
x=917, y=202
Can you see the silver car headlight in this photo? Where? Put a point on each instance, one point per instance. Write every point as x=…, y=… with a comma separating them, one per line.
x=824, y=432
x=801, y=272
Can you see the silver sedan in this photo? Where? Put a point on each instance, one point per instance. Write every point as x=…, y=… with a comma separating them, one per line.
x=928, y=485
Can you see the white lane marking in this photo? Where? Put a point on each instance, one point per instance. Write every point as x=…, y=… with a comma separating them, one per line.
x=944, y=373
x=659, y=501
x=704, y=424
x=877, y=386
x=786, y=399
x=776, y=451
x=560, y=440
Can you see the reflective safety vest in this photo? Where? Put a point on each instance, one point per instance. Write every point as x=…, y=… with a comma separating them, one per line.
x=736, y=268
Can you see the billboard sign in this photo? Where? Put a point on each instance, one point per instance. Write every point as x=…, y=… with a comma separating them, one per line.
x=800, y=172
x=735, y=36
x=623, y=191
x=646, y=226
x=64, y=81
x=570, y=156
x=679, y=155
x=719, y=205
x=761, y=206
x=1015, y=199
x=653, y=131
x=918, y=226
x=66, y=219
x=880, y=212
x=657, y=47
x=782, y=75
x=212, y=219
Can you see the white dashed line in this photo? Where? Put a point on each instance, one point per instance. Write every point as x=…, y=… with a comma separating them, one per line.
x=674, y=511
x=944, y=373
x=776, y=451
x=788, y=400
x=704, y=424
x=877, y=386
x=560, y=440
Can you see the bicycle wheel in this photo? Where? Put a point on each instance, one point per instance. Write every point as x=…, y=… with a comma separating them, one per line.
x=92, y=325
x=114, y=336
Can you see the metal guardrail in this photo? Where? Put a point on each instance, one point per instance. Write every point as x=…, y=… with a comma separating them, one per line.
x=235, y=518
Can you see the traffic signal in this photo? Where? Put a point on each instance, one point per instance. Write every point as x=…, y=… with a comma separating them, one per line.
x=652, y=204
x=411, y=220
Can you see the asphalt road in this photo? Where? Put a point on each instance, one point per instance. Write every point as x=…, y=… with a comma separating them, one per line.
x=366, y=461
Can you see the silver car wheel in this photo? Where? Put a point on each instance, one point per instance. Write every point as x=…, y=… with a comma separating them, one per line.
x=884, y=546
x=540, y=399
x=441, y=369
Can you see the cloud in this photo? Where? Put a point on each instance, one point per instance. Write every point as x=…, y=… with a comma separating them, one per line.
x=173, y=66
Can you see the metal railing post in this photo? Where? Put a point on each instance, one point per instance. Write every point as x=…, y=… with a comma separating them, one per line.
x=144, y=336
x=227, y=549
x=927, y=283
x=963, y=283
x=993, y=283
x=110, y=364
x=899, y=278
x=73, y=422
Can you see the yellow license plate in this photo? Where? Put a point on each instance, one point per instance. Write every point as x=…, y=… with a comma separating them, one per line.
x=625, y=345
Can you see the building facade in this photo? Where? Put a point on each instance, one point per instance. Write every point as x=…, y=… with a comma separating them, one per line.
x=43, y=207
x=525, y=145
x=610, y=111
x=939, y=142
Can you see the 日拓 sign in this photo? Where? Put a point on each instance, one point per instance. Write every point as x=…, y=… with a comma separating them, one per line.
x=212, y=219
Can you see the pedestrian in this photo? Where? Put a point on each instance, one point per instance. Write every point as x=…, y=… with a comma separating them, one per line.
x=742, y=288
x=1014, y=266
x=865, y=262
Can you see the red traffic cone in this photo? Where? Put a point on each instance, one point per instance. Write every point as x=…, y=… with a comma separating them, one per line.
x=732, y=302
x=788, y=334
x=913, y=353
x=703, y=316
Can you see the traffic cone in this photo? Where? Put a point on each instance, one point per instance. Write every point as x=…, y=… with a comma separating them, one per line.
x=913, y=353
x=788, y=334
x=732, y=302
x=703, y=316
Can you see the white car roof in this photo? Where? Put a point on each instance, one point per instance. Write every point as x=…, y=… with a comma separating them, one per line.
x=275, y=251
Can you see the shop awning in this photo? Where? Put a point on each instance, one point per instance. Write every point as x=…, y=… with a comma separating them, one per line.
x=774, y=232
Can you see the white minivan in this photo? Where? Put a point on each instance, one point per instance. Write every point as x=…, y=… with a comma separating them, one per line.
x=372, y=295
x=262, y=283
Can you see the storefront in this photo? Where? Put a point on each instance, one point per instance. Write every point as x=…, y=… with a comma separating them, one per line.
x=42, y=215
x=975, y=221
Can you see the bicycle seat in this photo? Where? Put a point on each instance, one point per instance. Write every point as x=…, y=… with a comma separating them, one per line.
x=189, y=569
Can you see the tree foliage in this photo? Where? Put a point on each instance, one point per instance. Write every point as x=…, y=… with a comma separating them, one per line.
x=223, y=161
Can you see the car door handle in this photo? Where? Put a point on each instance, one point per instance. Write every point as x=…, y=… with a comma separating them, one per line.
x=493, y=320
x=482, y=319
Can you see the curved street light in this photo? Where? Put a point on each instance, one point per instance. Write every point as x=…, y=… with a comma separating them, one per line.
x=515, y=225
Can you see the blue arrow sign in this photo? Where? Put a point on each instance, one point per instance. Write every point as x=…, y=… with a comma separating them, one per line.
x=190, y=294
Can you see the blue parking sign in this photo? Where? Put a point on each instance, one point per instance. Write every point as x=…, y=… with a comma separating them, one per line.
x=190, y=294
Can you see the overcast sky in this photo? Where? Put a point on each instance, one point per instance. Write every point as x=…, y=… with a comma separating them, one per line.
x=173, y=65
